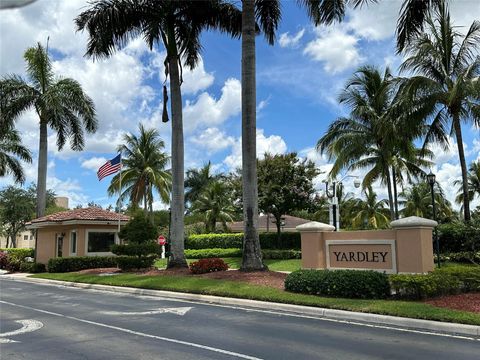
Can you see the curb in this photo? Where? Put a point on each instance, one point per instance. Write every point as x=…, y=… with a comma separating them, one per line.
x=434, y=327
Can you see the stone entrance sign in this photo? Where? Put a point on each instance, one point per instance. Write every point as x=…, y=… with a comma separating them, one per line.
x=406, y=248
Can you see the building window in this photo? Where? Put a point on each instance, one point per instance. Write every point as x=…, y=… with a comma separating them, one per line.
x=25, y=237
x=73, y=242
x=100, y=242
x=31, y=237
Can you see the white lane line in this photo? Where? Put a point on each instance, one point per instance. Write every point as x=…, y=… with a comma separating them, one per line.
x=27, y=326
x=177, y=311
x=272, y=312
x=128, y=331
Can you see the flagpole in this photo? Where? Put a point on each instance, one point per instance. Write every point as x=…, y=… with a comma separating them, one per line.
x=120, y=195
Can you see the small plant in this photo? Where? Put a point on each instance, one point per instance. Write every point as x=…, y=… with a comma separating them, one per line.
x=3, y=260
x=203, y=266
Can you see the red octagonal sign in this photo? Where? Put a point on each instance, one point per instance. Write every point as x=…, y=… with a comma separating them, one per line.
x=161, y=240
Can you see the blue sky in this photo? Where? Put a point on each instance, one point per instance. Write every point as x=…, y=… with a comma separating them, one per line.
x=298, y=81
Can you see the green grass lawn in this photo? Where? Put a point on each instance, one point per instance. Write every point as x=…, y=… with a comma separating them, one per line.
x=193, y=284
x=234, y=263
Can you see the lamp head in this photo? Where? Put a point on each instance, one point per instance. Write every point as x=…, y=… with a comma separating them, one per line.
x=356, y=183
x=431, y=178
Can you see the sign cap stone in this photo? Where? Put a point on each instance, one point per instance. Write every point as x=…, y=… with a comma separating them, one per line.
x=314, y=226
x=413, y=221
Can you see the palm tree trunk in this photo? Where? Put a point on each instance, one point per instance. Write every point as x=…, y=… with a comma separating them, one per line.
x=395, y=193
x=461, y=154
x=252, y=254
x=42, y=169
x=390, y=196
x=177, y=258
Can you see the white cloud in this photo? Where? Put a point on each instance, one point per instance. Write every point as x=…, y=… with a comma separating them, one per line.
x=335, y=48
x=213, y=140
x=292, y=41
x=93, y=163
x=197, y=79
x=272, y=144
x=208, y=111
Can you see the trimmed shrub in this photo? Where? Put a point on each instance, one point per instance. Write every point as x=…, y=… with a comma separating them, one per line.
x=212, y=253
x=135, y=249
x=288, y=240
x=339, y=283
x=454, y=237
x=138, y=230
x=76, y=263
x=203, y=266
x=18, y=254
x=32, y=267
x=281, y=254
x=128, y=263
x=447, y=281
x=3, y=260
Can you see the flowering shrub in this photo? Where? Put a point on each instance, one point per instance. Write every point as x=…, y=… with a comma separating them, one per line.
x=3, y=260
x=203, y=266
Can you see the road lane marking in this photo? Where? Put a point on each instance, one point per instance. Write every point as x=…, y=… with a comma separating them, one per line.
x=128, y=331
x=177, y=311
x=27, y=326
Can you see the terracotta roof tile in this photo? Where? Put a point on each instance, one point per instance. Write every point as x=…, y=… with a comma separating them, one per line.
x=89, y=213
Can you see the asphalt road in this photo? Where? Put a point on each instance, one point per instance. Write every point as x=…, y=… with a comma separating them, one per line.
x=50, y=322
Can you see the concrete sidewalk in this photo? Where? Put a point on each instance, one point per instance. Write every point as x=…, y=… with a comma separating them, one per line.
x=394, y=322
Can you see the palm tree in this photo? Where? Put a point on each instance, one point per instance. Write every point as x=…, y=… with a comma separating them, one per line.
x=445, y=83
x=196, y=181
x=473, y=183
x=268, y=14
x=11, y=148
x=144, y=163
x=373, y=136
x=372, y=214
x=60, y=104
x=178, y=26
x=215, y=204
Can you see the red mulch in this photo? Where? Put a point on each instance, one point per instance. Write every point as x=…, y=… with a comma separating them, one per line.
x=465, y=302
x=100, y=271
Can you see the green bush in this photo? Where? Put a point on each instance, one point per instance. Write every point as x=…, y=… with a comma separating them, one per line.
x=467, y=257
x=134, y=249
x=18, y=254
x=32, y=267
x=76, y=263
x=281, y=254
x=339, y=283
x=212, y=253
x=203, y=266
x=128, y=263
x=455, y=237
x=446, y=281
x=138, y=230
x=288, y=240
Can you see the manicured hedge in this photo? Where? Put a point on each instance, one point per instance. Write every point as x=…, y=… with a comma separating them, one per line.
x=281, y=254
x=447, y=281
x=234, y=252
x=127, y=263
x=76, y=263
x=134, y=249
x=288, y=240
x=32, y=267
x=339, y=283
x=203, y=266
x=18, y=254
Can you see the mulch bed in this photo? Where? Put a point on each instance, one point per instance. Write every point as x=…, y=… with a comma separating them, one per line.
x=466, y=302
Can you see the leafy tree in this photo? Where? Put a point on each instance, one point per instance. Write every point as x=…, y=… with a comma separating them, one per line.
x=197, y=180
x=215, y=204
x=11, y=151
x=268, y=14
x=60, y=104
x=473, y=183
x=285, y=185
x=444, y=87
x=178, y=26
x=16, y=209
x=143, y=169
x=372, y=213
x=138, y=230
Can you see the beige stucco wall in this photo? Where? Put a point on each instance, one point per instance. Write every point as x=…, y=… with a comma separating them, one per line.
x=21, y=242
x=46, y=240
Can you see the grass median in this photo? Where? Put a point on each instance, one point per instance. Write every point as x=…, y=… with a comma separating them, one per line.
x=235, y=262
x=193, y=284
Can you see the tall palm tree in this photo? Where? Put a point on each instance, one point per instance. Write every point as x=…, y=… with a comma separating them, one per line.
x=196, y=181
x=215, y=204
x=268, y=15
x=445, y=83
x=372, y=136
x=178, y=26
x=11, y=150
x=372, y=214
x=60, y=104
x=473, y=183
x=144, y=163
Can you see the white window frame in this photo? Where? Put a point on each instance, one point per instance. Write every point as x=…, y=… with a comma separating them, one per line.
x=107, y=253
x=72, y=253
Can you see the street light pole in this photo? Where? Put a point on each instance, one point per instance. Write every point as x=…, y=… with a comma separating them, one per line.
x=334, y=200
x=431, y=181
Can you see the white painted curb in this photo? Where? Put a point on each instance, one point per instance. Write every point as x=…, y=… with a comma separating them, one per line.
x=401, y=322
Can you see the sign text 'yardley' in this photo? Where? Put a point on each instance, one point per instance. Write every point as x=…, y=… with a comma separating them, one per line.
x=361, y=256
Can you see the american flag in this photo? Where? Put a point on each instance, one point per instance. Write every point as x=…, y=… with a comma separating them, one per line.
x=110, y=167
